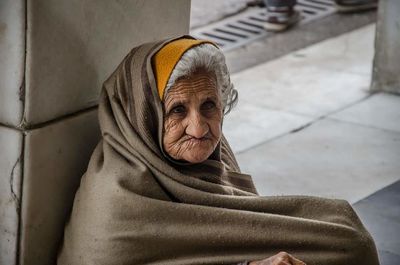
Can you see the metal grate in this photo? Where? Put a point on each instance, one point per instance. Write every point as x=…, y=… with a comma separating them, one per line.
x=247, y=26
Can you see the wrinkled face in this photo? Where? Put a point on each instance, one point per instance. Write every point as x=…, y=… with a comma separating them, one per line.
x=193, y=117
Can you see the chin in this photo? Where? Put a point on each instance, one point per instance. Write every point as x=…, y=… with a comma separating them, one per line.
x=198, y=158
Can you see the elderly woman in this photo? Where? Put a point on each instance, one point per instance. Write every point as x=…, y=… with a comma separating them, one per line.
x=163, y=186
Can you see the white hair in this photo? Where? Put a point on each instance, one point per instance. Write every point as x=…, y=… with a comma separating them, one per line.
x=208, y=57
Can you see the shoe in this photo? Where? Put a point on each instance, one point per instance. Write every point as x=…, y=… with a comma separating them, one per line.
x=349, y=6
x=280, y=20
x=257, y=3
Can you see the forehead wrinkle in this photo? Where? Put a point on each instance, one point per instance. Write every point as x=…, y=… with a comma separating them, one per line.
x=187, y=93
x=190, y=85
x=198, y=85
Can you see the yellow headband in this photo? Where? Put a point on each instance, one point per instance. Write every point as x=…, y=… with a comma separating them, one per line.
x=167, y=57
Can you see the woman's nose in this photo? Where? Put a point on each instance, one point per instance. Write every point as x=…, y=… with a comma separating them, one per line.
x=197, y=126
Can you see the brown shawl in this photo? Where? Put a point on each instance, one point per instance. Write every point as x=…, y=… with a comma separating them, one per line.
x=134, y=206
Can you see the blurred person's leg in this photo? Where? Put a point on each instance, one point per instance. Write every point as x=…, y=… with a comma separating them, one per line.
x=281, y=14
x=355, y=5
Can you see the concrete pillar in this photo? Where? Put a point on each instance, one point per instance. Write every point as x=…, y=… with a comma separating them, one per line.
x=54, y=57
x=386, y=71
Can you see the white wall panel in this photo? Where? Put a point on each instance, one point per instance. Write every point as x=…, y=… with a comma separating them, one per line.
x=73, y=46
x=12, y=56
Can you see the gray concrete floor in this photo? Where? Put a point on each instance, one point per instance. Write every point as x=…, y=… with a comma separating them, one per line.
x=204, y=12
x=380, y=213
x=301, y=36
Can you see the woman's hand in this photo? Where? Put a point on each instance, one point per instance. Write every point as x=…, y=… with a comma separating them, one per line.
x=282, y=258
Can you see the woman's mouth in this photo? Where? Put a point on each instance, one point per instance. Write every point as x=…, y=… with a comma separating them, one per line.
x=197, y=141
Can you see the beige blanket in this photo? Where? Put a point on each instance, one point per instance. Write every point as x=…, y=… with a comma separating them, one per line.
x=134, y=206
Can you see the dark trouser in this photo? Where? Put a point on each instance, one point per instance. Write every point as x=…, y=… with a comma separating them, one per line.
x=280, y=3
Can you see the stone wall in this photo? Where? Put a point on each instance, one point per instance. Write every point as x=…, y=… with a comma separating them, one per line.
x=54, y=57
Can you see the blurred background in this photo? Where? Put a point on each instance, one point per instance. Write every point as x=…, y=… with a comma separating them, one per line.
x=318, y=111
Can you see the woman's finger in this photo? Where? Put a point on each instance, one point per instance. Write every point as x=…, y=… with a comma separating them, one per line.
x=282, y=258
x=281, y=262
x=295, y=261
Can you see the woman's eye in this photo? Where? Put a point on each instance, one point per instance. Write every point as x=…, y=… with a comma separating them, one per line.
x=208, y=105
x=178, y=109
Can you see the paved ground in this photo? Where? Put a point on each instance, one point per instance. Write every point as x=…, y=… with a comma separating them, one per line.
x=204, y=12
x=277, y=45
x=306, y=124
x=381, y=215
